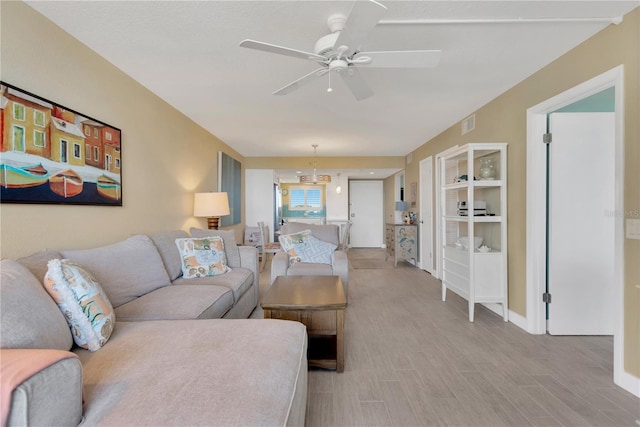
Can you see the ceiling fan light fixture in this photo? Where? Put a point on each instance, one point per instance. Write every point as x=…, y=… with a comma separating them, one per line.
x=315, y=178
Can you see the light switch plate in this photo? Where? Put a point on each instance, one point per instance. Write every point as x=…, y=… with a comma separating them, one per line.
x=633, y=228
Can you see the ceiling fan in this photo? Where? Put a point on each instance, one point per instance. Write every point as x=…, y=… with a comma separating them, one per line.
x=340, y=51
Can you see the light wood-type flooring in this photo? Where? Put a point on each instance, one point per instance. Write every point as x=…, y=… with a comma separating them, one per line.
x=413, y=360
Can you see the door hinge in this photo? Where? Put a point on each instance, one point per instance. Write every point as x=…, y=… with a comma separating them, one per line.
x=546, y=138
x=546, y=298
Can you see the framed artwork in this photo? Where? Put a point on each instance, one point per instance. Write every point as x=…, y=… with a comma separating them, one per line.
x=230, y=181
x=413, y=194
x=52, y=154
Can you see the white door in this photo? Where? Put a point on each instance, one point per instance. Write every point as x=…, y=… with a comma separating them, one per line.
x=366, y=211
x=581, y=224
x=426, y=214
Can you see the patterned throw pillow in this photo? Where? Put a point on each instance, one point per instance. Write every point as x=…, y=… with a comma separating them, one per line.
x=318, y=251
x=82, y=301
x=303, y=247
x=202, y=256
x=294, y=245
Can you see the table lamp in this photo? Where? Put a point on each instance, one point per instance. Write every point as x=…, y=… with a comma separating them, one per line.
x=212, y=206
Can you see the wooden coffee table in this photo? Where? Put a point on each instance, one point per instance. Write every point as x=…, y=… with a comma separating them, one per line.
x=318, y=302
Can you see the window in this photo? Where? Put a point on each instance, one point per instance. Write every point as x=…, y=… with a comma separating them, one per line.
x=117, y=163
x=96, y=153
x=95, y=133
x=38, y=118
x=87, y=131
x=18, y=112
x=305, y=198
x=39, y=138
x=87, y=151
x=107, y=136
x=77, y=151
x=18, y=138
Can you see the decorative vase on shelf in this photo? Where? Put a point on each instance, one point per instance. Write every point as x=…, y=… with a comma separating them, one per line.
x=487, y=168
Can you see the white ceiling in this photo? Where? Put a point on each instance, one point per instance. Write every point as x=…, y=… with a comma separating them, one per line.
x=187, y=53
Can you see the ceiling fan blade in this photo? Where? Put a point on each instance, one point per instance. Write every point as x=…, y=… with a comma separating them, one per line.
x=363, y=17
x=301, y=81
x=356, y=83
x=272, y=48
x=399, y=59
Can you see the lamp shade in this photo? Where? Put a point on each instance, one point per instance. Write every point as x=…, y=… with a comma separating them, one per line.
x=211, y=204
x=401, y=206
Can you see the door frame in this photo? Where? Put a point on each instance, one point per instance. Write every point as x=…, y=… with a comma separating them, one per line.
x=536, y=211
x=426, y=205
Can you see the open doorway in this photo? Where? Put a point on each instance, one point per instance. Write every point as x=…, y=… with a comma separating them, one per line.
x=537, y=209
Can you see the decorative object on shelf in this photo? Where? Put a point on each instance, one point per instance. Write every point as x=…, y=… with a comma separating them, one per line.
x=487, y=168
x=464, y=242
x=212, y=206
x=51, y=154
x=463, y=178
x=412, y=217
x=315, y=178
x=484, y=248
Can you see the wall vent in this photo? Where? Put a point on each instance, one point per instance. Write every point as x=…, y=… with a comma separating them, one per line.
x=469, y=124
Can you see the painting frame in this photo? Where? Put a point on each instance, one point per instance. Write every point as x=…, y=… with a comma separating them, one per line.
x=413, y=194
x=51, y=154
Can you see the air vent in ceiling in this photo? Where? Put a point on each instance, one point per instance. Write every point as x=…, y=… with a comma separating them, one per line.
x=469, y=124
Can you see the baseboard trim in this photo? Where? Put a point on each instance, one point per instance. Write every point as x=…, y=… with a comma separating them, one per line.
x=514, y=317
x=630, y=383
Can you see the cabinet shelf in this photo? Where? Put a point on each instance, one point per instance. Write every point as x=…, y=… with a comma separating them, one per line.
x=479, y=277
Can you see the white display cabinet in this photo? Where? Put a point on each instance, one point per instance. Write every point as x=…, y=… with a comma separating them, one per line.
x=473, y=202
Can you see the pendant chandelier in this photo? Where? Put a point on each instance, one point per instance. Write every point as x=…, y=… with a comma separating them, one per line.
x=315, y=178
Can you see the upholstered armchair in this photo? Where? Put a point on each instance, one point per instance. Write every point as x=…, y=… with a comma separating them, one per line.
x=339, y=264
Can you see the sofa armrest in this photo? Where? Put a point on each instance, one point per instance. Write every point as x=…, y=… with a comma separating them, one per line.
x=249, y=260
x=41, y=388
x=279, y=265
x=341, y=268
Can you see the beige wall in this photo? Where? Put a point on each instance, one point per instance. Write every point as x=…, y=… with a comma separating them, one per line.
x=165, y=156
x=504, y=120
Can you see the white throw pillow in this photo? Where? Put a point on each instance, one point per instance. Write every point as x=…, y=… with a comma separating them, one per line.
x=82, y=301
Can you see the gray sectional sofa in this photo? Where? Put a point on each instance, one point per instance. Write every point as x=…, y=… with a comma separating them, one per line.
x=175, y=357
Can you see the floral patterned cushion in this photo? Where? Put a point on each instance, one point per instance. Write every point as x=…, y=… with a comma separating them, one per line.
x=82, y=301
x=202, y=256
x=294, y=245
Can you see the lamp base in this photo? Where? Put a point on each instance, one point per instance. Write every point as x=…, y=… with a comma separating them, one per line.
x=213, y=222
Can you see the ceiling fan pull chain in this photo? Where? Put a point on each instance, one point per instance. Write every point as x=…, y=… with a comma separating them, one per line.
x=329, y=90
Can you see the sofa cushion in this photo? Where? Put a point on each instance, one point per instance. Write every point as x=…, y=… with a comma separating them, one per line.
x=310, y=269
x=318, y=251
x=178, y=302
x=237, y=280
x=166, y=244
x=230, y=245
x=29, y=317
x=202, y=256
x=82, y=301
x=37, y=262
x=327, y=232
x=294, y=245
x=217, y=372
x=126, y=270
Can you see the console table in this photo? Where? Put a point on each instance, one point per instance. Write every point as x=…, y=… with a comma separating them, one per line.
x=402, y=242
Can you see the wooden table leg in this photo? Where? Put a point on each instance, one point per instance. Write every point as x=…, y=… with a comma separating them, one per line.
x=340, y=340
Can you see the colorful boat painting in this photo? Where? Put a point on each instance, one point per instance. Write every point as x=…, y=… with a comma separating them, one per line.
x=22, y=176
x=108, y=187
x=66, y=183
